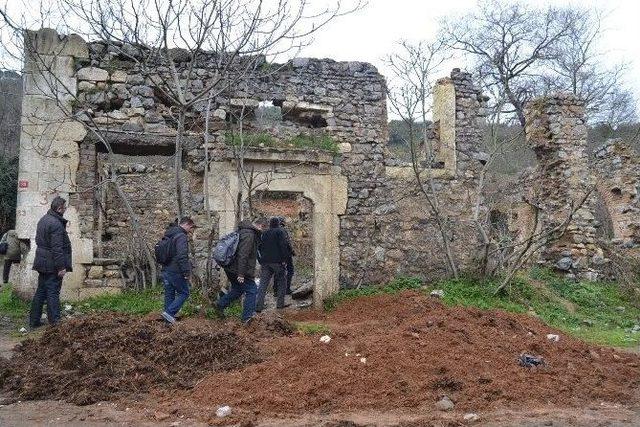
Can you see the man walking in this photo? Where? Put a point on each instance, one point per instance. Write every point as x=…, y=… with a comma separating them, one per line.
x=52, y=261
x=292, y=253
x=177, y=272
x=13, y=252
x=274, y=251
x=242, y=270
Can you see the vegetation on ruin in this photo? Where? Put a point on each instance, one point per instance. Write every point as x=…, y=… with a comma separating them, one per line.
x=262, y=139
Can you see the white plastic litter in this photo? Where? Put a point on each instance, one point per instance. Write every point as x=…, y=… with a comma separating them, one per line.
x=223, y=411
x=553, y=337
x=325, y=339
x=438, y=293
x=471, y=417
x=23, y=330
x=68, y=307
x=363, y=360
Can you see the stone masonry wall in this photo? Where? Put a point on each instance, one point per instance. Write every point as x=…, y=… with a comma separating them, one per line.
x=557, y=132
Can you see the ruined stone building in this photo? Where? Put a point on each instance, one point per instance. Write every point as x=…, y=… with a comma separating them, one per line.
x=358, y=213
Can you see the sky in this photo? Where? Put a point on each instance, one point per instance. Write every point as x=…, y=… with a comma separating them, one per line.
x=370, y=34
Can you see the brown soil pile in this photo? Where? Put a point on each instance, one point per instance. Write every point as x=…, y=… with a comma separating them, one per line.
x=106, y=357
x=416, y=350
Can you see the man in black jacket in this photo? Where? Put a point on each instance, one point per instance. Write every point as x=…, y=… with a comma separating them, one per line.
x=242, y=271
x=275, y=250
x=52, y=261
x=176, y=274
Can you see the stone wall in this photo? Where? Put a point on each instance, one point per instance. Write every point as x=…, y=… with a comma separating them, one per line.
x=557, y=132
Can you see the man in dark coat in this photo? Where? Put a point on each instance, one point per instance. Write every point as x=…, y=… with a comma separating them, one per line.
x=52, y=261
x=177, y=272
x=242, y=270
x=292, y=253
x=275, y=250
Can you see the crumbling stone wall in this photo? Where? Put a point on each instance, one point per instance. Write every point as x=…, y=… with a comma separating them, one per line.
x=392, y=231
x=617, y=167
x=563, y=184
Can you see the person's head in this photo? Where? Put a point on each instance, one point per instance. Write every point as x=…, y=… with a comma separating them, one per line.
x=59, y=205
x=187, y=224
x=274, y=222
x=261, y=223
x=282, y=221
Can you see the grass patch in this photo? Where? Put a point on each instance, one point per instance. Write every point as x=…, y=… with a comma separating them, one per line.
x=261, y=139
x=596, y=312
x=313, y=328
x=11, y=305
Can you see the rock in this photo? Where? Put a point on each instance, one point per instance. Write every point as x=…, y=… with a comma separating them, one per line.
x=93, y=74
x=445, y=404
x=119, y=76
x=303, y=291
x=133, y=125
x=594, y=354
x=553, y=337
x=344, y=147
x=95, y=272
x=587, y=322
x=161, y=416
x=220, y=114
x=564, y=264
x=635, y=329
x=223, y=411
x=325, y=339
x=437, y=293
x=471, y=417
x=299, y=62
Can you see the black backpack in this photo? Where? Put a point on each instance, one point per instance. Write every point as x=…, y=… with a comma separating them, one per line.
x=165, y=250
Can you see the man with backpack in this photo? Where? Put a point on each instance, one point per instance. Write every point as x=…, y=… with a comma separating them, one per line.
x=241, y=270
x=172, y=252
x=275, y=251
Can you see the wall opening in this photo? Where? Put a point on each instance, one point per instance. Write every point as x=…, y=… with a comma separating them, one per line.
x=297, y=211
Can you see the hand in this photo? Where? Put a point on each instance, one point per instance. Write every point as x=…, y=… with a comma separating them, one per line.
x=62, y=272
x=240, y=279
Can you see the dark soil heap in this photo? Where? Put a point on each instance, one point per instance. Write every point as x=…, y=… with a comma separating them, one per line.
x=407, y=351
x=107, y=357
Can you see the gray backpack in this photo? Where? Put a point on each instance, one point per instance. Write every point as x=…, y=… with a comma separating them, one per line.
x=225, y=250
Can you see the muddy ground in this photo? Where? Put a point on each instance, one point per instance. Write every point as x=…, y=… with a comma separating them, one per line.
x=390, y=359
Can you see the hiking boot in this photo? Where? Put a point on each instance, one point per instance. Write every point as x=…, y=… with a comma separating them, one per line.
x=248, y=321
x=169, y=318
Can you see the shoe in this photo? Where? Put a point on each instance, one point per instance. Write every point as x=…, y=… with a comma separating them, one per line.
x=288, y=304
x=248, y=321
x=169, y=318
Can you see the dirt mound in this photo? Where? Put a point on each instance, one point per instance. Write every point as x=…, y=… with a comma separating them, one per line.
x=105, y=357
x=407, y=351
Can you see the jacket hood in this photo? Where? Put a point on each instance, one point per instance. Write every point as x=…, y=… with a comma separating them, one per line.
x=173, y=230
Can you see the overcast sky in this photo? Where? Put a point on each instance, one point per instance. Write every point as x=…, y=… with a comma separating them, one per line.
x=371, y=33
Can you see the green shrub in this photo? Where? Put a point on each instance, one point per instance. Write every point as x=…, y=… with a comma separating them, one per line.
x=313, y=328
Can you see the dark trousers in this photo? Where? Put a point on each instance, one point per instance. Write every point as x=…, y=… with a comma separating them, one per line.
x=289, y=274
x=48, y=291
x=176, y=291
x=277, y=271
x=236, y=290
x=7, y=269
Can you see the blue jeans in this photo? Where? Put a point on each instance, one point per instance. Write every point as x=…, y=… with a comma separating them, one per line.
x=49, y=285
x=248, y=288
x=176, y=291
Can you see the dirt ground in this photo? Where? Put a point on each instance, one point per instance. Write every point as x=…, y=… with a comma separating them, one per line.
x=389, y=360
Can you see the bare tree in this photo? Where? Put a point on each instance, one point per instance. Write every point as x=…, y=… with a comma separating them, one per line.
x=410, y=90
x=510, y=43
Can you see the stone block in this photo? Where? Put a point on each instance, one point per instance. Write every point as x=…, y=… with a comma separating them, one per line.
x=92, y=74
x=118, y=76
x=95, y=272
x=47, y=41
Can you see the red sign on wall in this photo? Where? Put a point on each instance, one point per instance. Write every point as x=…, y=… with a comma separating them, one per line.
x=23, y=183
